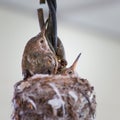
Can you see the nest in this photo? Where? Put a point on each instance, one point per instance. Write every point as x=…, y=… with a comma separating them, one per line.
x=61, y=95
x=54, y=97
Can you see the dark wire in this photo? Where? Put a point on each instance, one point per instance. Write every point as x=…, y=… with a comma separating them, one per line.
x=53, y=21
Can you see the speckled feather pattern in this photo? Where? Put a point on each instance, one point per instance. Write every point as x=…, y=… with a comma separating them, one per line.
x=38, y=58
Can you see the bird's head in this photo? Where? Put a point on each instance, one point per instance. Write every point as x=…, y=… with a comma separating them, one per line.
x=71, y=69
x=39, y=42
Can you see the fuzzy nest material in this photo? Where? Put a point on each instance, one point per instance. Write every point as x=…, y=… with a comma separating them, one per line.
x=54, y=97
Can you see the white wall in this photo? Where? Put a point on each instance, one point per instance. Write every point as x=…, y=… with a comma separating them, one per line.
x=99, y=63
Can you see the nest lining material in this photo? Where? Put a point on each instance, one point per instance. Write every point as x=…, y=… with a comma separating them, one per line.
x=54, y=97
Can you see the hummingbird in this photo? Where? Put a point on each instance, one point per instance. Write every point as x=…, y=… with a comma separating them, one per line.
x=71, y=70
x=38, y=57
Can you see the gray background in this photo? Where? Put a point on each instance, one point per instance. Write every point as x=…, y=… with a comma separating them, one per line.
x=91, y=27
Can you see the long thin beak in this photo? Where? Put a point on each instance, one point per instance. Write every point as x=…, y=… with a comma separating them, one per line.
x=43, y=30
x=73, y=67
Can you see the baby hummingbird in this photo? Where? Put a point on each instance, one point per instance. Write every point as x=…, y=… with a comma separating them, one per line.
x=71, y=69
x=38, y=57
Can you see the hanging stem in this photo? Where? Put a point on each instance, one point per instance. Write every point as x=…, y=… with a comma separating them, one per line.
x=40, y=17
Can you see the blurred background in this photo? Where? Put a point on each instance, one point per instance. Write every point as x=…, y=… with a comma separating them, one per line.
x=91, y=27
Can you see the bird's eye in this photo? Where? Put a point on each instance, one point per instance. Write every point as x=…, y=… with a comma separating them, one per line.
x=42, y=41
x=70, y=72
